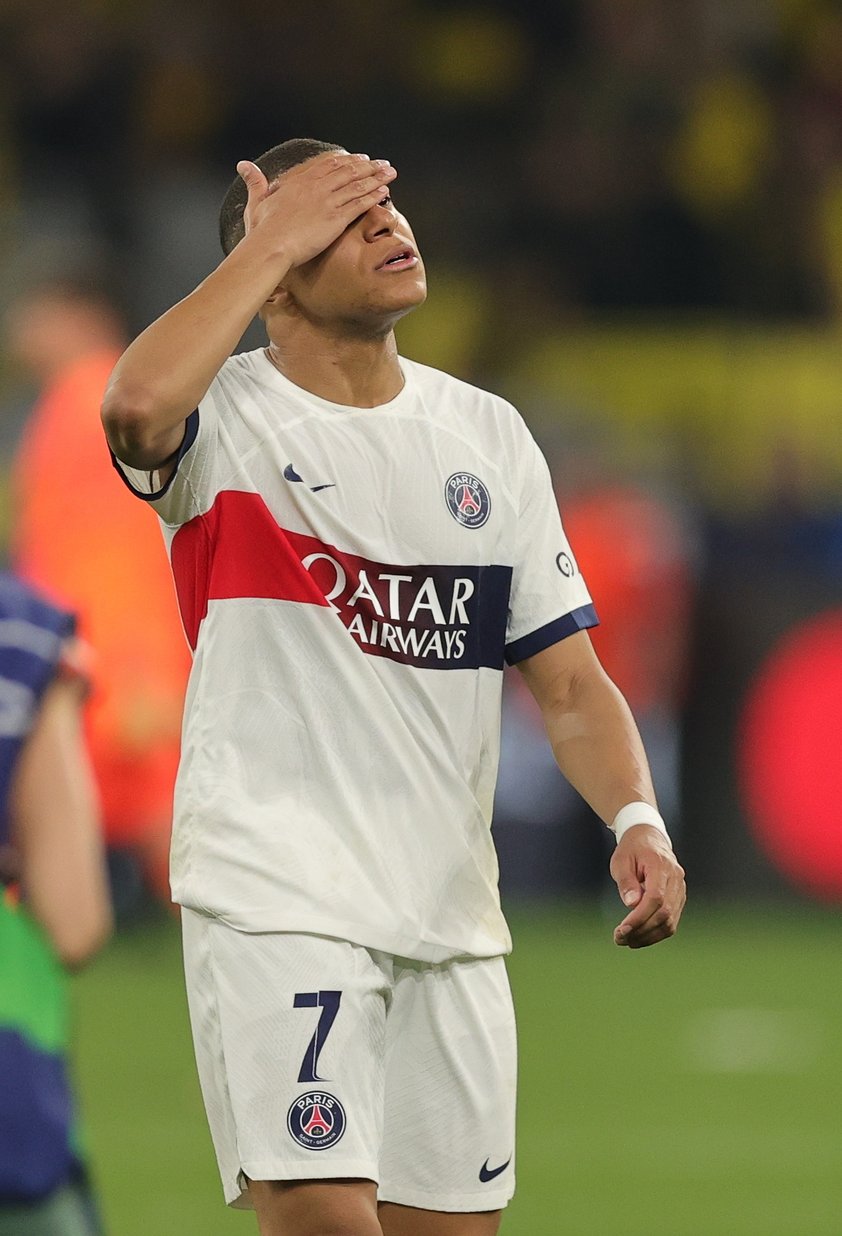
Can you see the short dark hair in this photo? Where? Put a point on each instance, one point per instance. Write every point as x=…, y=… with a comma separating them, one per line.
x=272, y=164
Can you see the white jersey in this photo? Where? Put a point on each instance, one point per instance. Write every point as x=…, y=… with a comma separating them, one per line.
x=351, y=581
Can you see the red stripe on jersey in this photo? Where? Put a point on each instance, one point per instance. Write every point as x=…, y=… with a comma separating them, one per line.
x=439, y=616
x=236, y=549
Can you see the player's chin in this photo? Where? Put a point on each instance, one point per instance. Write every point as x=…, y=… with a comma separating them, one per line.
x=386, y=311
x=387, y=306
x=406, y=295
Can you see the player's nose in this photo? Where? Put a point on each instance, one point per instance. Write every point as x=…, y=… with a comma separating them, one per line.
x=379, y=221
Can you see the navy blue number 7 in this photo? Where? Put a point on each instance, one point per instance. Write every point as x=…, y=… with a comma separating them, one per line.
x=328, y=1002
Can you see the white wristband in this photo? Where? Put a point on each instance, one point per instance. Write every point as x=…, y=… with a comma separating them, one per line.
x=637, y=813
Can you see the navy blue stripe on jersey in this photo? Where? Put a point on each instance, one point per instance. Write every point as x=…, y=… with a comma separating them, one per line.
x=191, y=429
x=527, y=646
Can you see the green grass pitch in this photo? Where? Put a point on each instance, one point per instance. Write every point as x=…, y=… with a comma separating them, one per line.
x=693, y=1089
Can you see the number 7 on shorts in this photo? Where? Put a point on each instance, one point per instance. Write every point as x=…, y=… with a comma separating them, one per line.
x=328, y=1002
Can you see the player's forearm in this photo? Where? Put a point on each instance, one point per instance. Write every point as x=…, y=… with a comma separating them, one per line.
x=597, y=745
x=162, y=376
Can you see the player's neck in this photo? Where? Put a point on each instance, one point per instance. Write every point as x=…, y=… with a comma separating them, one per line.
x=361, y=373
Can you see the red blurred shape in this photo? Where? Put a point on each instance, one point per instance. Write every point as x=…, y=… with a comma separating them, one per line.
x=790, y=756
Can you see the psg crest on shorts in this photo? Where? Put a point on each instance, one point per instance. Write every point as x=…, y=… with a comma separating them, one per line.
x=467, y=499
x=316, y=1120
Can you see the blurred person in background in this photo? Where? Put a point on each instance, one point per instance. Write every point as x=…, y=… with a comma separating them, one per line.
x=54, y=912
x=637, y=552
x=640, y=560
x=78, y=535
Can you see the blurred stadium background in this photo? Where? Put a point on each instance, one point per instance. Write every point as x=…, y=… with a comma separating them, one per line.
x=631, y=212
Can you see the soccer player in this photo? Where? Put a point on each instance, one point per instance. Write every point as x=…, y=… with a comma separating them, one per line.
x=358, y=542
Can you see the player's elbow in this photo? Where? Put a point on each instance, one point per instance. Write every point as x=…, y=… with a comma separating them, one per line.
x=136, y=426
x=127, y=419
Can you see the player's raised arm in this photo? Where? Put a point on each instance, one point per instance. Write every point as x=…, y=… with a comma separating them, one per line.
x=598, y=748
x=163, y=375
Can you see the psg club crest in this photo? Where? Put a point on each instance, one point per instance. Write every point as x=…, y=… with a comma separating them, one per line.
x=467, y=499
x=316, y=1120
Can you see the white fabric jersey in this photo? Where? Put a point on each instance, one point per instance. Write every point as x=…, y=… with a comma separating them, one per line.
x=351, y=581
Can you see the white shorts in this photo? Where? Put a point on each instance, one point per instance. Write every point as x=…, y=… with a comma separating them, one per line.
x=319, y=1059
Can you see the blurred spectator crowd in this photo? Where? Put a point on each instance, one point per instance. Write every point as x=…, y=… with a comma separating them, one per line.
x=658, y=154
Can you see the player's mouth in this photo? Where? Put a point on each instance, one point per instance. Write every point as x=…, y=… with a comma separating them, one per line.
x=402, y=257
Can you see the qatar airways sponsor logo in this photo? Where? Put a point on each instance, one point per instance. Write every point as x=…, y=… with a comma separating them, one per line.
x=413, y=615
x=436, y=616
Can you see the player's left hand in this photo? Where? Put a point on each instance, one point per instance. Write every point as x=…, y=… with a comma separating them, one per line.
x=651, y=881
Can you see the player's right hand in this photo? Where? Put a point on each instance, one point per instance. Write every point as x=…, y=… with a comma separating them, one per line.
x=307, y=208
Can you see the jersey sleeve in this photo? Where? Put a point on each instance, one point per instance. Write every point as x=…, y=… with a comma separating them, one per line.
x=549, y=598
x=191, y=487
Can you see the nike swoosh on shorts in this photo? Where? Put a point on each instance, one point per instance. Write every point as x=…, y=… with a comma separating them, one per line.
x=486, y=1173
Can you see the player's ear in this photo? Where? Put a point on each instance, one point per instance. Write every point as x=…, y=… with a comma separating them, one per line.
x=277, y=297
x=280, y=301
